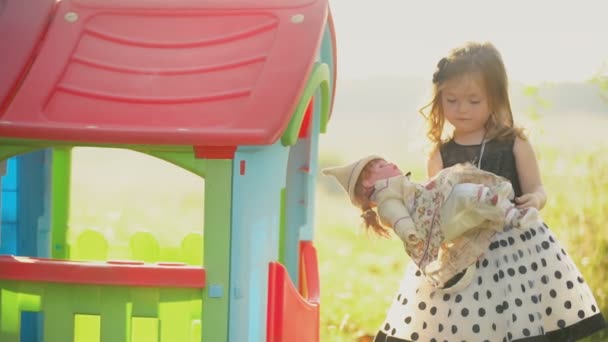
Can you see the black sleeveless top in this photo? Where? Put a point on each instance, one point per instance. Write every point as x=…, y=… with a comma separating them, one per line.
x=498, y=158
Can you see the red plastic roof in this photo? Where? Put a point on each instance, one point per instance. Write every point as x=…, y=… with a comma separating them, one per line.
x=21, y=28
x=180, y=72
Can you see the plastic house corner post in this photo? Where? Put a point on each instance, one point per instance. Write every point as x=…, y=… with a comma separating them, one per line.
x=27, y=192
x=303, y=159
x=26, y=229
x=257, y=192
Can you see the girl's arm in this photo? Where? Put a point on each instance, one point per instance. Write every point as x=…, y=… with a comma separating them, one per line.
x=434, y=164
x=534, y=194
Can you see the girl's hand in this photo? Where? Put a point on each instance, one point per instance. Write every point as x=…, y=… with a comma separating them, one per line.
x=530, y=200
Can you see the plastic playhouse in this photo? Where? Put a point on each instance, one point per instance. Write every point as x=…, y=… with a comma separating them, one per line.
x=234, y=91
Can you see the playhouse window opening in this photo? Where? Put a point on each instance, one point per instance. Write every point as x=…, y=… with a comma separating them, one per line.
x=145, y=208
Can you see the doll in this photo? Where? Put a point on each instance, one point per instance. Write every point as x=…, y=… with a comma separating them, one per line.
x=445, y=224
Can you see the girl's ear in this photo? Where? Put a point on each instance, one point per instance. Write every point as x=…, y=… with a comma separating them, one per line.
x=367, y=183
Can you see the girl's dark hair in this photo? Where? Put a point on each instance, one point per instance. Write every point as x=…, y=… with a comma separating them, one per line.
x=481, y=59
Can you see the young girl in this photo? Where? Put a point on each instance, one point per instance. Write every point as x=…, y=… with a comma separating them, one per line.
x=526, y=287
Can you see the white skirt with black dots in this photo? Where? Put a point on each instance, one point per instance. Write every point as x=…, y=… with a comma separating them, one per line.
x=526, y=288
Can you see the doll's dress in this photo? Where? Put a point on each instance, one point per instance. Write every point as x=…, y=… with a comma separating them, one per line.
x=445, y=224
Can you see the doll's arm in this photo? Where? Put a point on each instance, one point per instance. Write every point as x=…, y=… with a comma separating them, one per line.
x=394, y=213
x=394, y=199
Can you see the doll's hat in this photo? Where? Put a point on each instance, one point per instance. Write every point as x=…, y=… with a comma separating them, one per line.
x=347, y=175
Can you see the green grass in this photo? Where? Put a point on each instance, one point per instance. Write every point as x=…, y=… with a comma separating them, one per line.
x=359, y=273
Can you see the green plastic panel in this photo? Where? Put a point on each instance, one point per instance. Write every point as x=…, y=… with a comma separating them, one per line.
x=318, y=81
x=283, y=226
x=60, y=199
x=218, y=204
x=183, y=159
x=79, y=313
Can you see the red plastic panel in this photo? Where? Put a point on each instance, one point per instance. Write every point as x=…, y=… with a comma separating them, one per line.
x=110, y=273
x=22, y=25
x=214, y=152
x=182, y=72
x=309, y=284
x=305, y=128
x=290, y=317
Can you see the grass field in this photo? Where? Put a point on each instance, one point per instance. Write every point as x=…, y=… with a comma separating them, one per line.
x=120, y=193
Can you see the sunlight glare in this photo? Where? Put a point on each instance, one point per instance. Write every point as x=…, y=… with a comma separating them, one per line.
x=540, y=41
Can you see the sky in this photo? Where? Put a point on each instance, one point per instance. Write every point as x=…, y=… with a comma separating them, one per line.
x=540, y=40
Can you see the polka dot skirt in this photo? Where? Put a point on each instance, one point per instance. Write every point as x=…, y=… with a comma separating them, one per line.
x=526, y=288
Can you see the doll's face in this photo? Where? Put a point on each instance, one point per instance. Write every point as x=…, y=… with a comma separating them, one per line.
x=381, y=169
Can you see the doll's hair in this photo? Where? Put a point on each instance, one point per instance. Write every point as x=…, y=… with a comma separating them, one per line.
x=361, y=197
x=483, y=61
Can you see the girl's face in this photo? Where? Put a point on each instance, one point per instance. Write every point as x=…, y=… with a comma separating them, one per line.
x=381, y=169
x=465, y=104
